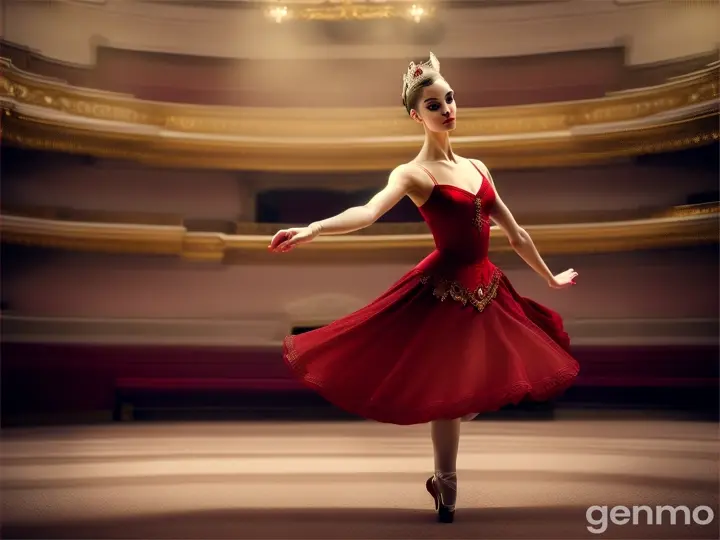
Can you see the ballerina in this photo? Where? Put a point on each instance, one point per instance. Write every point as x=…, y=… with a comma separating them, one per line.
x=451, y=338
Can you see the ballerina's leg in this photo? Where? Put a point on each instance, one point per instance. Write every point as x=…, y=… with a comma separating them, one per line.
x=446, y=442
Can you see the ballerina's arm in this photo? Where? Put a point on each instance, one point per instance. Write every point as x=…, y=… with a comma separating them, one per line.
x=360, y=217
x=518, y=237
x=399, y=184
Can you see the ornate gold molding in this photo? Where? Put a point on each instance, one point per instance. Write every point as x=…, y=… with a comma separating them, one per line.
x=84, y=236
x=685, y=210
x=279, y=123
x=250, y=228
x=308, y=157
x=682, y=229
x=47, y=114
x=570, y=219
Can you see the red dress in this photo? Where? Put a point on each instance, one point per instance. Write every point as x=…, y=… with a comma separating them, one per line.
x=451, y=338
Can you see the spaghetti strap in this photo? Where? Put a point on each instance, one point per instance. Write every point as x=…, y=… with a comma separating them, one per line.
x=429, y=174
x=486, y=182
x=478, y=170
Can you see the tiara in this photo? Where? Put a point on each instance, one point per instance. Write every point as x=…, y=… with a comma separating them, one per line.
x=414, y=70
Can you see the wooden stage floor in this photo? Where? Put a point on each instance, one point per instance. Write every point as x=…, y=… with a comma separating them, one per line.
x=352, y=480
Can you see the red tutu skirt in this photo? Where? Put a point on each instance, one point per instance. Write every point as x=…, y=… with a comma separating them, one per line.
x=437, y=348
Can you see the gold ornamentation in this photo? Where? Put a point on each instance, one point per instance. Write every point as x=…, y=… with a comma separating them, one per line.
x=478, y=220
x=292, y=354
x=24, y=88
x=308, y=157
x=63, y=98
x=688, y=210
x=664, y=232
x=202, y=246
x=341, y=139
x=479, y=298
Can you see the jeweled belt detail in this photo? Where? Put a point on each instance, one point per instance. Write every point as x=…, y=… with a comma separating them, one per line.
x=479, y=298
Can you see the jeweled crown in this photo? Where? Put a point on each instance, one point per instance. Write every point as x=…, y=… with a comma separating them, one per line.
x=416, y=71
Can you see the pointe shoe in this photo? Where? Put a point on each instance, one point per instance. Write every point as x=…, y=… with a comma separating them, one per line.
x=446, y=513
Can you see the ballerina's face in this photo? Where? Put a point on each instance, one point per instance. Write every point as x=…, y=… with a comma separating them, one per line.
x=436, y=107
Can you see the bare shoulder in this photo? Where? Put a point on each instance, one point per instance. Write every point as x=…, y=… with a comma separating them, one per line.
x=484, y=168
x=404, y=175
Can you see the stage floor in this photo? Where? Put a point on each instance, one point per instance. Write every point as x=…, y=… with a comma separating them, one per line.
x=352, y=480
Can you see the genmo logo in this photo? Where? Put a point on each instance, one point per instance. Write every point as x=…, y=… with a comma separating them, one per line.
x=600, y=517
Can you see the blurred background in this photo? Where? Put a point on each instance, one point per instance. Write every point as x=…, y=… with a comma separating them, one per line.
x=150, y=148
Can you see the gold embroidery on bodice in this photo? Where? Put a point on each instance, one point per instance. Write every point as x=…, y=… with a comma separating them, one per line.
x=478, y=220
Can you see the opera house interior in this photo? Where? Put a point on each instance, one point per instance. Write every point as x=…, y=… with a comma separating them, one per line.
x=152, y=148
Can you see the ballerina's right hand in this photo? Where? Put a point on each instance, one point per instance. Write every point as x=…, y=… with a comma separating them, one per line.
x=286, y=239
x=563, y=279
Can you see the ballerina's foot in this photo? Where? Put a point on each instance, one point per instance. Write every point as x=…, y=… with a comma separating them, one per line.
x=443, y=489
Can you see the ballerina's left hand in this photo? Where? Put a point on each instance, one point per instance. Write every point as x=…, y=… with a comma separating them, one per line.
x=288, y=239
x=563, y=280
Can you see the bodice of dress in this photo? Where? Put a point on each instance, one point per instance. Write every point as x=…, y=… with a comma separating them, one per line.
x=460, y=221
x=460, y=224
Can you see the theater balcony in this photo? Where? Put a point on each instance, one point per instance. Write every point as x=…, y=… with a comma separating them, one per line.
x=147, y=164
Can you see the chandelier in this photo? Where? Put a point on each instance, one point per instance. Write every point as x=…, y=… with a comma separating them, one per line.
x=345, y=10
